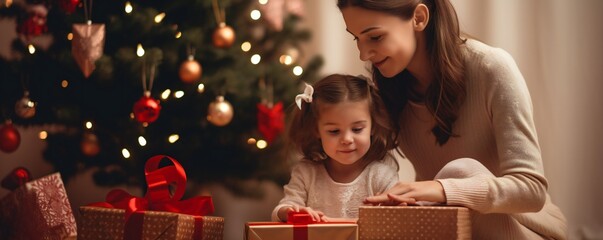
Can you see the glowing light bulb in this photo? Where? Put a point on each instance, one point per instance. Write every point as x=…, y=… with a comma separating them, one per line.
x=286, y=59
x=297, y=70
x=173, y=138
x=43, y=135
x=139, y=50
x=246, y=46
x=128, y=7
x=142, y=141
x=125, y=153
x=255, y=59
x=255, y=14
x=159, y=17
x=31, y=49
x=261, y=144
x=165, y=94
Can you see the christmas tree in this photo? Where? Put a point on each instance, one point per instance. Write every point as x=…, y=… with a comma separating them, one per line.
x=116, y=82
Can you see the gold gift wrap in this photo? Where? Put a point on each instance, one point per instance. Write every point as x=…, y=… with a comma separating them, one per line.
x=312, y=231
x=414, y=222
x=108, y=223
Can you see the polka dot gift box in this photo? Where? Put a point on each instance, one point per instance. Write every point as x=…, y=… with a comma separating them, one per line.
x=414, y=222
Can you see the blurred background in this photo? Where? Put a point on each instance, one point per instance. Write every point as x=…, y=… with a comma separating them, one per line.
x=556, y=44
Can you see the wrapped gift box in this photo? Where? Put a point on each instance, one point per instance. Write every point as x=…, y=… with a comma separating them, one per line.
x=160, y=214
x=39, y=209
x=312, y=231
x=108, y=223
x=414, y=222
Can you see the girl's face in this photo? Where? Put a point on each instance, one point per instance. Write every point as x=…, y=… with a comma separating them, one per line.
x=345, y=130
x=387, y=41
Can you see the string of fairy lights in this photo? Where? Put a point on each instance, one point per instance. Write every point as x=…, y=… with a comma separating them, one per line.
x=288, y=58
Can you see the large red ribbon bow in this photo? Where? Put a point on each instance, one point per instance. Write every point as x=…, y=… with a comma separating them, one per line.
x=158, y=197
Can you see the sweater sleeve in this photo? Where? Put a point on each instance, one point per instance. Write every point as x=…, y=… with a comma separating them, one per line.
x=296, y=191
x=520, y=185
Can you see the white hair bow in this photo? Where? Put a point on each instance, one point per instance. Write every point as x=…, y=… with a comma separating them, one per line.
x=306, y=96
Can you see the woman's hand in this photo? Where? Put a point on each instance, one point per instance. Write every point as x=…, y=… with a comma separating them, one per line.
x=404, y=193
x=317, y=216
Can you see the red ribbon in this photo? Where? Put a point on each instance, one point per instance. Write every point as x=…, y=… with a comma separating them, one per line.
x=158, y=197
x=300, y=223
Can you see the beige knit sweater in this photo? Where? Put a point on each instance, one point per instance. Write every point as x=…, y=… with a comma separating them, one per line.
x=311, y=186
x=496, y=128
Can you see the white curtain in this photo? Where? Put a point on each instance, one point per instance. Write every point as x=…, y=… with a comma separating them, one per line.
x=558, y=47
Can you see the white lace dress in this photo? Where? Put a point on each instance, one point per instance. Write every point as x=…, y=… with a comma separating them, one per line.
x=311, y=186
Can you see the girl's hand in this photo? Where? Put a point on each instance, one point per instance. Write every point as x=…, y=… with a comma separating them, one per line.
x=409, y=193
x=317, y=216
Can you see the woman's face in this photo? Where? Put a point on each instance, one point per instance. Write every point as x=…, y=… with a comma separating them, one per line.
x=387, y=41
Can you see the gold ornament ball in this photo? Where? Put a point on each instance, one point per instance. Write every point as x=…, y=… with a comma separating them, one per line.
x=25, y=108
x=224, y=36
x=220, y=112
x=190, y=71
x=89, y=145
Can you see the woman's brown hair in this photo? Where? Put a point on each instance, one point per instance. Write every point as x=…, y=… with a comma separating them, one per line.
x=447, y=92
x=333, y=89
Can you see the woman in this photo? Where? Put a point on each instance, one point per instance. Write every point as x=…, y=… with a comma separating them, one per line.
x=464, y=117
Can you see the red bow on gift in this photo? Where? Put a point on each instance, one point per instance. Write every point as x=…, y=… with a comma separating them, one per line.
x=300, y=223
x=18, y=177
x=299, y=218
x=158, y=197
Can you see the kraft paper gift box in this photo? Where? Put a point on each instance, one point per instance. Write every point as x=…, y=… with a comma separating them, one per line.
x=108, y=223
x=160, y=214
x=301, y=227
x=414, y=222
x=38, y=209
x=313, y=231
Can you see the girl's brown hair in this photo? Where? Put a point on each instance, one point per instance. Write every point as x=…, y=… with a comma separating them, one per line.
x=447, y=92
x=333, y=89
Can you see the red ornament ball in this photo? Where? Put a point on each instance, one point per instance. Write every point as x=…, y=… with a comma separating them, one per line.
x=146, y=109
x=16, y=178
x=9, y=138
x=89, y=145
x=224, y=36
